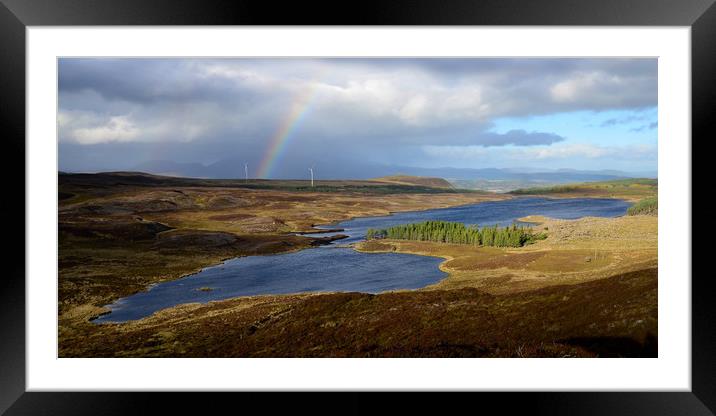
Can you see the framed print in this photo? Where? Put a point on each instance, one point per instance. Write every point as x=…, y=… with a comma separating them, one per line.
x=445, y=199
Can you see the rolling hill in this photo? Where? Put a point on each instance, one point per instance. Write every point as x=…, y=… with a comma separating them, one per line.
x=630, y=189
x=415, y=181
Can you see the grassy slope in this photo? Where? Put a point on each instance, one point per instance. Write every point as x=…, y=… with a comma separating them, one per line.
x=119, y=233
x=646, y=206
x=114, y=241
x=575, y=251
x=616, y=316
x=415, y=181
x=629, y=189
x=76, y=182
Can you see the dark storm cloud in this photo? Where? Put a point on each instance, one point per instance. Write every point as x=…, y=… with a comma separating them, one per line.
x=142, y=80
x=202, y=110
x=526, y=85
x=532, y=67
x=147, y=81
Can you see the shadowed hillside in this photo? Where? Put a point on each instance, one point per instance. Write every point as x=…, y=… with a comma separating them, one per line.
x=612, y=317
x=578, y=293
x=78, y=182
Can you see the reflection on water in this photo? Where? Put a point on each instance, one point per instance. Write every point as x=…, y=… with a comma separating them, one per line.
x=334, y=268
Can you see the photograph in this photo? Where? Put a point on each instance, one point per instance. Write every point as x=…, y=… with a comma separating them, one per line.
x=244, y=199
x=362, y=207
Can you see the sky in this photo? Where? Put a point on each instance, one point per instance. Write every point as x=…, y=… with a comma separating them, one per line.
x=345, y=116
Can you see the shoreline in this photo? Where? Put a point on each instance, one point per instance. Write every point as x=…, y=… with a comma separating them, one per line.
x=585, y=196
x=104, y=310
x=354, y=246
x=608, y=260
x=441, y=266
x=391, y=213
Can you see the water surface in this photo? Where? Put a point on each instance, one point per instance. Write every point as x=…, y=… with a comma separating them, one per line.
x=339, y=268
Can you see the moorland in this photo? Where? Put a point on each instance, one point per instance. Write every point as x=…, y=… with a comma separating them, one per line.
x=588, y=289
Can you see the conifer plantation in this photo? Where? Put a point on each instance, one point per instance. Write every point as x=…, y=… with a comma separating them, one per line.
x=459, y=233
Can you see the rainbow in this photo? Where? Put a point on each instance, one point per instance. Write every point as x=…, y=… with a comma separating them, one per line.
x=278, y=142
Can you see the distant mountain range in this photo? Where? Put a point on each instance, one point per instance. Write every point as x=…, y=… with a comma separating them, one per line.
x=560, y=175
x=485, y=178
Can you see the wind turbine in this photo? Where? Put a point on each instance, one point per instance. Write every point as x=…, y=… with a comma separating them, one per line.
x=246, y=171
x=311, y=169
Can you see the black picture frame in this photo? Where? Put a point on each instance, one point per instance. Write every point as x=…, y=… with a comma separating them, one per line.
x=15, y=15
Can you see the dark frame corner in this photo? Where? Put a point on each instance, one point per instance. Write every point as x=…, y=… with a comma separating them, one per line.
x=15, y=15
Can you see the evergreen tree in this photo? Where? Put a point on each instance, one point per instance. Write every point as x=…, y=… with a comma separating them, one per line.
x=458, y=233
